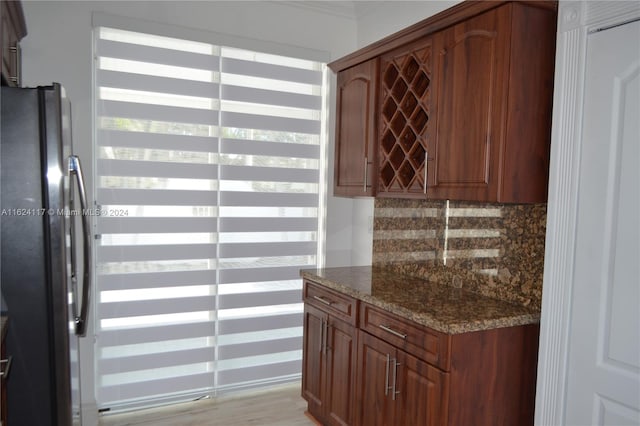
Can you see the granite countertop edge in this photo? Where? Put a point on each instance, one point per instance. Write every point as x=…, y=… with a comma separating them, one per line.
x=458, y=326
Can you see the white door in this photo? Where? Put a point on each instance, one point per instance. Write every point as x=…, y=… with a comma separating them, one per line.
x=604, y=349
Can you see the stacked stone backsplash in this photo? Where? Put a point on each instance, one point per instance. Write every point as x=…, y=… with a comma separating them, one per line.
x=493, y=249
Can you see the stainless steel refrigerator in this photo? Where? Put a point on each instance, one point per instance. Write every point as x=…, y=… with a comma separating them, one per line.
x=45, y=256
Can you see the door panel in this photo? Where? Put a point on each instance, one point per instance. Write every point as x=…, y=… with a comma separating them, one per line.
x=422, y=392
x=604, y=353
x=471, y=74
x=312, y=357
x=375, y=406
x=355, y=130
x=341, y=364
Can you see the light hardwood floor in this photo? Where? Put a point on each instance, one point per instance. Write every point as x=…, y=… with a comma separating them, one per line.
x=281, y=405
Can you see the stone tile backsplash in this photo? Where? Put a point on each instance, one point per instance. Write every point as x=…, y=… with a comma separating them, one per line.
x=493, y=249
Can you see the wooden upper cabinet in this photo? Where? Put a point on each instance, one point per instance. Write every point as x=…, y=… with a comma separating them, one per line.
x=405, y=117
x=471, y=66
x=464, y=106
x=13, y=30
x=355, y=159
x=494, y=87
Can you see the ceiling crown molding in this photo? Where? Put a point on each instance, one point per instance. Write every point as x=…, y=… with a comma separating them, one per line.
x=342, y=9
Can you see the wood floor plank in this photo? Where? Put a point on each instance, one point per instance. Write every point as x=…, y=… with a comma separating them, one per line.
x=276, y=406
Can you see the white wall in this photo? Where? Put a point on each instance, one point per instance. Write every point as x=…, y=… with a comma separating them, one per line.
x=382, y=18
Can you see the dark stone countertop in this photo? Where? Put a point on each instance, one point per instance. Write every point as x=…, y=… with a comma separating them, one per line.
x=435, y=305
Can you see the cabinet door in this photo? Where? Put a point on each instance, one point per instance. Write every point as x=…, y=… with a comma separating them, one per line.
x=313, y=382
x=13, y=30
x=405, y=125
x=9, y=42
x=374, y=399
x=472, y=80
x=422, y=390
x=355, y=130
x=341, y=372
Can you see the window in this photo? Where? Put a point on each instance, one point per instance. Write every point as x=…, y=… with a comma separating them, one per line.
x=208, y=178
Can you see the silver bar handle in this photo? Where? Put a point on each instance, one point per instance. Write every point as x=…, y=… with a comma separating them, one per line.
x=18, y=64
x=386, y=377
x=326, y=336
x=366, y=167
x=426, y=162
x=16, y=49
x=392, y=331
x=5, y=367
x=80, y=319
x=323, y=300
x=394, y=392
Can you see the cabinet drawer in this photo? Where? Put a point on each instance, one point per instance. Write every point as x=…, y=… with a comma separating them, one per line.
x=422, y=342
x=339, y=305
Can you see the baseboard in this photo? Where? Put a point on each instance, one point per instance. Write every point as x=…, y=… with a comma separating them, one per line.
x=313, y=419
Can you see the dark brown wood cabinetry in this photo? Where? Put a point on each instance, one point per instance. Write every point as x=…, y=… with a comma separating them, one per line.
x=329, y=355
x=396, y=388
x=355, y=160
x=493, y=107
x=431, y=378
x=464, y=105
x=13, y=30
x=363, y=365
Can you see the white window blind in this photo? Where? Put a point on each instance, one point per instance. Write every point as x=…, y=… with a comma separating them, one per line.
x=208, y=178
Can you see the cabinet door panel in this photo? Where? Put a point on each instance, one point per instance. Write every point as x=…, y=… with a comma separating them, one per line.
x=355, y=130
x=14, y=29
x=312, y=359
x=341, y=372
x=471, y=74
x=422, y=392
x=375, y=405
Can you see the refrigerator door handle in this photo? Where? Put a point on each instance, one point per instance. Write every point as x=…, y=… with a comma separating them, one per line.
x=80, y=320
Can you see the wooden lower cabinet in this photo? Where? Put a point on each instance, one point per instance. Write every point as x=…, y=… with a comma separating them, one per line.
x=328, y=367
x=480, y=378
x=395, y=388
x=313, y=375
x=421, y=392
x=365, y=366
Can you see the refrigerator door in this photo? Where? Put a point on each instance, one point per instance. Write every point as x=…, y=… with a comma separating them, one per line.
x=25, y=280
x=35, y=246
x=56, y=145
x=72, y=241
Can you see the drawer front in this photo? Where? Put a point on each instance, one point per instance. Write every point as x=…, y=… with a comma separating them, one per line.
x=422, y=342
x=337, y=304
